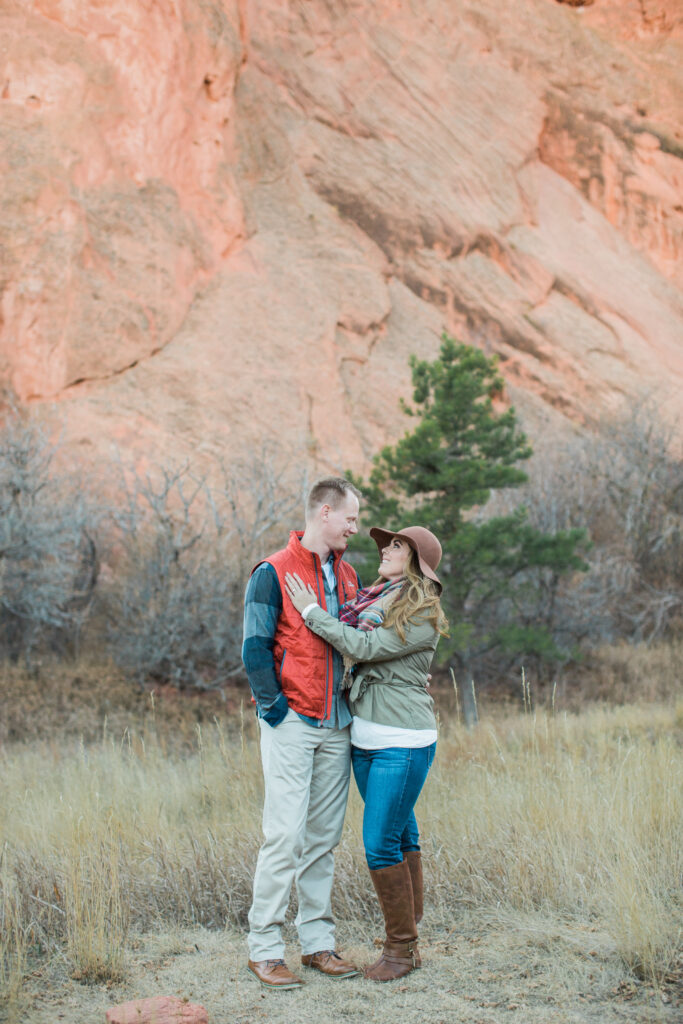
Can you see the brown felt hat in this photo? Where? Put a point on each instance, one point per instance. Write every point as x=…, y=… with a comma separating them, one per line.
x=421, y=540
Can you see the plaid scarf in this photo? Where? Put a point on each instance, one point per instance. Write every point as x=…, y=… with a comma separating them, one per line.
x=367, y=610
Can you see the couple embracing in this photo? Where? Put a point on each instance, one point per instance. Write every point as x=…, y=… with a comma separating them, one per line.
x=339, y=677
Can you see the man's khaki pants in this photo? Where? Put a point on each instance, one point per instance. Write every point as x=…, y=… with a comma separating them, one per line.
x=306, y=772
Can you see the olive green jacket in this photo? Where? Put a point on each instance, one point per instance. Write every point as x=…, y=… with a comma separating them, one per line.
x=389, y=684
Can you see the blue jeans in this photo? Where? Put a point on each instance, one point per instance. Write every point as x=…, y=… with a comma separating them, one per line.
x=390, y=782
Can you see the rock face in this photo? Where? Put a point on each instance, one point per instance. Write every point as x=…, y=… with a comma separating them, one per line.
x=230, y=220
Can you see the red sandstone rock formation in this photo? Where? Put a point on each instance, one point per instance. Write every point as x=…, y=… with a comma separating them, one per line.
x=157, y=1010
x=234, y=219
x=639, y=19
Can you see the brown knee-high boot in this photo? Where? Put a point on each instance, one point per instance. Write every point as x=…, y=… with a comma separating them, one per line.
x=414, y=858
x=395, y=894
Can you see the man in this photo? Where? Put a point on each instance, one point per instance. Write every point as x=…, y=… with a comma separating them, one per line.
x=295, y=679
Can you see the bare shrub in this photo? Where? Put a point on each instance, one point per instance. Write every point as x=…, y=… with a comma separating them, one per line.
x=48, y=554
x=636, y=517
x=623, y=485
x=174, y=607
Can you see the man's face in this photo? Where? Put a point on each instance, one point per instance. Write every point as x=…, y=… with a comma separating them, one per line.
x=340, y=523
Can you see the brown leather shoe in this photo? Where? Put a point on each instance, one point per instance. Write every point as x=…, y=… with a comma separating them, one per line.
x=330, y=963
x=274, y=974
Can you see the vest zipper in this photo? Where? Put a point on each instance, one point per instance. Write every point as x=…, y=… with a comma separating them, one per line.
x=328, y=649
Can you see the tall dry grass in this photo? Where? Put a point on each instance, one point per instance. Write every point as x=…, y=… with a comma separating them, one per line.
x=579, y=814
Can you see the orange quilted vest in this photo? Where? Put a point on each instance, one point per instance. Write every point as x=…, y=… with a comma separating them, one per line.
x=303, y=661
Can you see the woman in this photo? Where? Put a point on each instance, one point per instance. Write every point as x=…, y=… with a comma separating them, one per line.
x=390, y=633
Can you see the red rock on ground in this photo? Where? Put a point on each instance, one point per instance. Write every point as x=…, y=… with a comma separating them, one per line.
x=157, y=1010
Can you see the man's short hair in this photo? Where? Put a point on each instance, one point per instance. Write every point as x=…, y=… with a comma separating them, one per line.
x=332, y=491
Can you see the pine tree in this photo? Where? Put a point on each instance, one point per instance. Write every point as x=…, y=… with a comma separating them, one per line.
x=500, y=574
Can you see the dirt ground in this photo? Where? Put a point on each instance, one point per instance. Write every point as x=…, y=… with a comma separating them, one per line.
x=526, y=970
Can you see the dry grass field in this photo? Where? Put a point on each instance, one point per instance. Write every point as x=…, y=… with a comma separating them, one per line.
x=553, y=845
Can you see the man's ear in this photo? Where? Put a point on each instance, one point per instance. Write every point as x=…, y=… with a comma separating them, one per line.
x=325, y=512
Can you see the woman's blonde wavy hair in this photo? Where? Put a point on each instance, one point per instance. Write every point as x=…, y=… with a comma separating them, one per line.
x=418, y=600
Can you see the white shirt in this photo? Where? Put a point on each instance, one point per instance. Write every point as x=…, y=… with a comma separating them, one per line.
x=373, y=736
